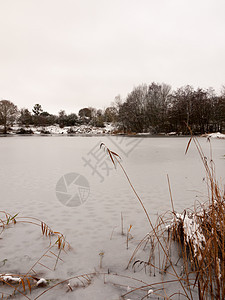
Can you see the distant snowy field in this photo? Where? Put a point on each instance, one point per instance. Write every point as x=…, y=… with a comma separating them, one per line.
x=56, y=130
x=109, y=128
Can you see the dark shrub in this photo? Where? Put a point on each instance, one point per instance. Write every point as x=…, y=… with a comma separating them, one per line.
x=24, y=131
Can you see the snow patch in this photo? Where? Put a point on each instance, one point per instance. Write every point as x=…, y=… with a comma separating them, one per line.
x=215, y=135
x=192, y=230
x=41, y=282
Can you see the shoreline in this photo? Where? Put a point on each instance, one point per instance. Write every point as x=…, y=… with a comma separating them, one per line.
x=12, y=135
x=91, y=131
x=95, y=135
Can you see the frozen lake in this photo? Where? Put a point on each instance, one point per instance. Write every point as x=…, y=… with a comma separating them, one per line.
x=32, y=166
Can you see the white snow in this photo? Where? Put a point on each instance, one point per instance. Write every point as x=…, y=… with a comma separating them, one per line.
x=192, y=229
x=10, y=278
x=56, y=130
x=217, y=135
x=42, y=282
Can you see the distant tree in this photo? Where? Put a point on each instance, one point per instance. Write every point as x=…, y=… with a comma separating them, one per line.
x=202, y=111
x=145, y=108
x=131, y=112
x=8, y=113
x=155, y=107
x=46, y=119
x=62, y=118
x=71, y=119
x=52, y=119
x=45, y=114
x=111, y=114
x=85, y=114
x=97, y=118
x=117, y=103
x=25, y=117
x=218, y=112
x=100, y=118
x=221, y=108
x=195, y=108
x=114, y=109
x=37, y=109
x=181, y=111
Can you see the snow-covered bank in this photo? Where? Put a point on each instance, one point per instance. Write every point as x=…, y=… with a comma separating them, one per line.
x=56, y=130
x=89, y=130
x=217, y=135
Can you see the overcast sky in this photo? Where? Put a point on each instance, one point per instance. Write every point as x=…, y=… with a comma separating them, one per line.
x=69, y=54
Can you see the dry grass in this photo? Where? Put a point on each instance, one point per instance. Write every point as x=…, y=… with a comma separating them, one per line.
x=200, y=233
x=13, y=284
x=197, y=236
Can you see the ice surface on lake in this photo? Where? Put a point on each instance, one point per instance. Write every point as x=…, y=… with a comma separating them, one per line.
x=31, y=167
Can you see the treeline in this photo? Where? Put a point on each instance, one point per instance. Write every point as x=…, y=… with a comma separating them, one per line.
x=156, y=108
x=10, y=114
x=153, y=108
x=38, y=117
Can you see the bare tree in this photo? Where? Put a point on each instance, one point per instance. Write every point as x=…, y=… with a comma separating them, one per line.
x=8, y=113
